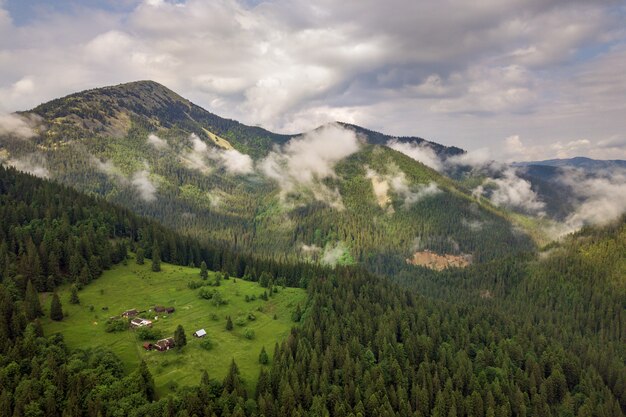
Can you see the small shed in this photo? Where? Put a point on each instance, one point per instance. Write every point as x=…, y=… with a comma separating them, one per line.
x=161, y=309
x=165, y=344
x=148, y=346
x=130, y=313
x=200, y=333
x=139, y=322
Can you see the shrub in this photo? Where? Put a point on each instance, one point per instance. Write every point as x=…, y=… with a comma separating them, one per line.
x=248, y=334
x=241, y=321
x=206, y=343
x=116, y=325
x=251, y=317
x=192, y=285
x=148, y=333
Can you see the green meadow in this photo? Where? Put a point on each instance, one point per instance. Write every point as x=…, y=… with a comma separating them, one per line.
x=135, y=286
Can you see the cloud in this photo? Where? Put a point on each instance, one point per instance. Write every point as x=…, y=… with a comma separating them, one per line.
x=33, y=164
x=334, y=253
x=157, y=142
x=306, y=160
x=399, y=184
x=421, y=152
x=108, y=167
x=513, y=192
x=544, y=70
x=602, y=198
x=233, y=161
x=16, y=125
x=144, y=186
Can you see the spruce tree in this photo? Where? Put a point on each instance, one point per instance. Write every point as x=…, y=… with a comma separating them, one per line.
x=139, y=258
x=180, y=339
x=74, y=295
x=146, y=381
x=229, y=323
x=263, y=358
x=156, y=258
x=56, y=310
x=31, y=302
x=203, y=271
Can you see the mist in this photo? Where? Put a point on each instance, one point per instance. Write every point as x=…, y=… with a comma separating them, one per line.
x=306, y=160
x=144, y=186
x=399, y=184
x=157, y=142
x=19, y=126
x=421, y=152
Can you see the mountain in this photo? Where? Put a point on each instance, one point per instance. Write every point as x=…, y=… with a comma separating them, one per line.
x=335, y=195
x=577, y=162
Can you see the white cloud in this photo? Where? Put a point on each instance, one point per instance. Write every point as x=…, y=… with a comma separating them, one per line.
x=144, y=186
x=513, y=192
x=157, y=142
x=548, y=71
x=33, y=164
x=233, y=161
x=15, y=125
x=307, y=159
x=399, y=184
x=421, y=152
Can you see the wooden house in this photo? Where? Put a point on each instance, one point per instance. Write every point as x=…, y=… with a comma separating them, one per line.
x=165, y=344
x=130, y=313
x=139, y=322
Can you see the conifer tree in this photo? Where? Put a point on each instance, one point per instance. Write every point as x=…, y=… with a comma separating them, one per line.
x=74, y=295
x=263, y=359
x=156, y=258
x=203, y=271
x=180, y=339
x=139, y=258
x=32, y=305
x=229, y=323
x=56, y=310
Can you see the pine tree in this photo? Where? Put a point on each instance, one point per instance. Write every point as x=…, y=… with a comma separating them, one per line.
x=203, y=271
x=146, y=381
x=74, y=295
x=180, y=339
x=156, y=258
x=263, y=359
x=31, y=302
x=229, y=323
x=139, y=258
x=56, y=311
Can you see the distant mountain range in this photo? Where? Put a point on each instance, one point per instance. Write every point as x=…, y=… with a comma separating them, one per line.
x=577, y=162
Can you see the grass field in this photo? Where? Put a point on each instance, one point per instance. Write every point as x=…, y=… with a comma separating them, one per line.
x=131, y=286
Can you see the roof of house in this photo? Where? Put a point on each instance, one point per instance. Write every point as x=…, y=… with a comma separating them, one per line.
x=200, y=332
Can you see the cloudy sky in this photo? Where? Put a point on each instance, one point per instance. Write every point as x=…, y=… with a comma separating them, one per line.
x=526, y=79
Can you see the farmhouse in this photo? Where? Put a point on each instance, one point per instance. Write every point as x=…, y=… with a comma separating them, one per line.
x=200, y=333
x=139, y=322
x=164, y=344
x=130, y=313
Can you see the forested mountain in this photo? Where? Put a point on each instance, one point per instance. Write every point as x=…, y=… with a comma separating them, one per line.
x=523, y=336
x=337, y=194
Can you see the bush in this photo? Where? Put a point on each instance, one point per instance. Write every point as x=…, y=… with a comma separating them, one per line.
x=251, y=317
x=206, y=293
x=116, y=325
x=248, y=334
x=241, y=321
x=148, y=333
x=206, y=343
x=192, y=285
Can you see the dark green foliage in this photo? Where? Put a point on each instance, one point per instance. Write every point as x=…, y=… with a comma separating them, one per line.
x=263, y=358
x=297, y=314
x=206, y=343
x=229, y=323
x=74, y=294
x=156, y=258
x=114, y=325
x=203, y=271
x=179, y=337
x=249, y=334
x=56, y=310
x=146, y=382
x=32, y=306
x=139, y=257
x=149, y=333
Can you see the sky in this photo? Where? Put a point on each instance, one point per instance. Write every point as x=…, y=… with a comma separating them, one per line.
x=517, y=79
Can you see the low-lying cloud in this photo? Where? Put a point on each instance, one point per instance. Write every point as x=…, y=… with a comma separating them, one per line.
x=421, y=152
x=512, y=192
x=32, y=164
x=144, y=186
x=603, y=198
x=157, y=142
x=306, y=160
x=18, y=126
x=233, y=161
x=399, y=184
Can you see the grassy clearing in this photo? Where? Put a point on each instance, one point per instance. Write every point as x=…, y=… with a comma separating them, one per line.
x=135, y=286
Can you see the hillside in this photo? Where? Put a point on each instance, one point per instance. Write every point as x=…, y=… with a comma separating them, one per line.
x=336, y=194
x=269, y=322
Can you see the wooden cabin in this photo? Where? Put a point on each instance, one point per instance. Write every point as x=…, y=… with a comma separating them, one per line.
x=165, y=344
